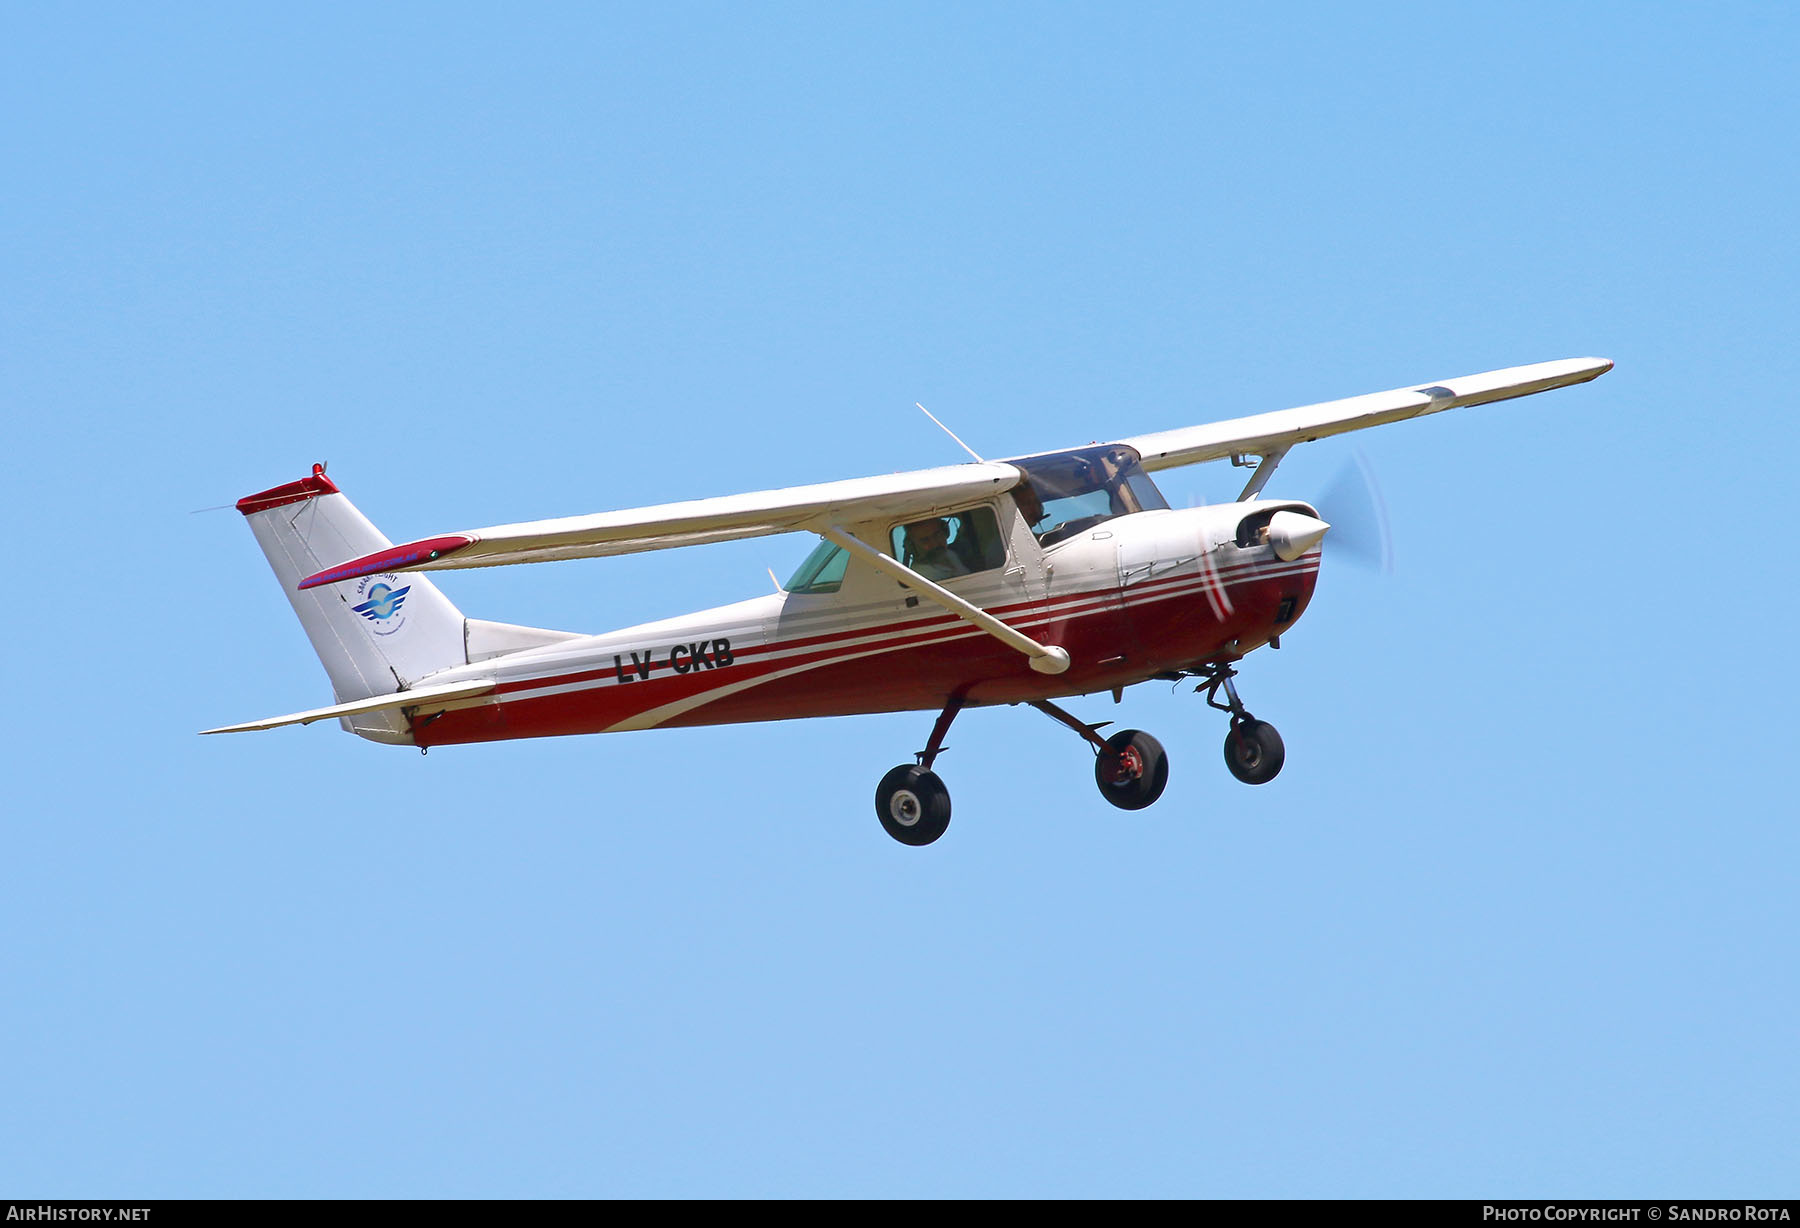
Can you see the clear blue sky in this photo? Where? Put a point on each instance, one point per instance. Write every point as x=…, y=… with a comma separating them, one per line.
x=1519, y=918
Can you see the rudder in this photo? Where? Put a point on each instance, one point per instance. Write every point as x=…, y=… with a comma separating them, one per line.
x=375, y=635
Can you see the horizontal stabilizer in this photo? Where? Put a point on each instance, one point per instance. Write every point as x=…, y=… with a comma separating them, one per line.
x=415, y=698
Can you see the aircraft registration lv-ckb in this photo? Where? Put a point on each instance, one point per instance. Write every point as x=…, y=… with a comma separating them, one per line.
x=997, y=582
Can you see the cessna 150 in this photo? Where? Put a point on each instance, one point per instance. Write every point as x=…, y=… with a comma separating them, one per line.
x=997, y=582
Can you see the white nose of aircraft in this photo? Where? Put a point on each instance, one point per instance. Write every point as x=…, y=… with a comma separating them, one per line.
x=1294, y=533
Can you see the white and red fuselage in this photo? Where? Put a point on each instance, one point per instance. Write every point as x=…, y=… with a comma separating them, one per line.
x=1071, y=572
x=1138, y=595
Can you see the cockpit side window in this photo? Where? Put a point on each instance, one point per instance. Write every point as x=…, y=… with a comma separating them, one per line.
x=1067, y=492
x=944, y=547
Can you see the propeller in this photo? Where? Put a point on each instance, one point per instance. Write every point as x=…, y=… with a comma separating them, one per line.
x=1358, y=516
x=1216, y=594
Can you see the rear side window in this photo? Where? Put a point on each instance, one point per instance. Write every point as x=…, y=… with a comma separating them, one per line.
x=823, y=570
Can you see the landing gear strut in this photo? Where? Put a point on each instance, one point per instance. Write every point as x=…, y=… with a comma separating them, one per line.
x=913, y=805
x=1130, y=767
x=911, y=802
x=1253, y=750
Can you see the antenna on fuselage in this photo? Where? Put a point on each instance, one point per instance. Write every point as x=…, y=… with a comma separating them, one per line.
x=959, y=443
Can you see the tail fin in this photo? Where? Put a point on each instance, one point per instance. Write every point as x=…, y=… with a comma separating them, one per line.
x=375, y=635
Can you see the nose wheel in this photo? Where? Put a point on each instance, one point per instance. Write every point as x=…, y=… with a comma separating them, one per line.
x=1253, y=750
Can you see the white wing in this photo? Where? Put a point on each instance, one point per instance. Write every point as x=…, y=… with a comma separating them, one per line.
x=899, y=496
x=1261, y=434
x=927, y=492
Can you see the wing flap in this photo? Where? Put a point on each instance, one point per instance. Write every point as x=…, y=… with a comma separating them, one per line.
x=415, y=698
x=1263, y=433
x=901, y=496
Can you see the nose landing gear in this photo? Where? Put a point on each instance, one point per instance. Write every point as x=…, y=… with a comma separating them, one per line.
x=1253, y=750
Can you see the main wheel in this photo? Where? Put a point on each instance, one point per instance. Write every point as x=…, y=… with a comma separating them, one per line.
x=913, y=805
x=1253, y=752
x=1132, y=771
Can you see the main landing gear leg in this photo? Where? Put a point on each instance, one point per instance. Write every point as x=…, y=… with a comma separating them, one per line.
x=1253, y=750
x=1130, y=767
x=911, y=802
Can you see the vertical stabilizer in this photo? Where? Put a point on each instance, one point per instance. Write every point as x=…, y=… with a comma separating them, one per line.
x=375, y=635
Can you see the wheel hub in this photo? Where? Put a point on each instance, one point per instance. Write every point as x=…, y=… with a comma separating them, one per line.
x=904, y=808
x=1125, y=766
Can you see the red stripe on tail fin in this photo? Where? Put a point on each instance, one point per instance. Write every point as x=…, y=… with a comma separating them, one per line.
x=309, y=487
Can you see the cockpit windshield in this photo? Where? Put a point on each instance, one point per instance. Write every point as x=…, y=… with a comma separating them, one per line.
x=1072, y=491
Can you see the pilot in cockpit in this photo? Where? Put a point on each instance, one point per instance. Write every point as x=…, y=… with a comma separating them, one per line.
x=1102, y=473
x=928, y=550
x=1030, y=506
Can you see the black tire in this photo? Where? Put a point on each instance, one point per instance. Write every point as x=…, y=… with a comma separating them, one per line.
x=913, y=805
x=1254, y=753
x=1132, y=771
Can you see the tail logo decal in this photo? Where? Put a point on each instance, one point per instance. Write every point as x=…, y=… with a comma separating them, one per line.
x=382, y=607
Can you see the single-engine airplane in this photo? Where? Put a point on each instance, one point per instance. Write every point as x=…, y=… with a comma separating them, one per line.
x=1025, y=580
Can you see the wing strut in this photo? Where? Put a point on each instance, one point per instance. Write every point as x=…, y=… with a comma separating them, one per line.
x=1044, y=658
x=1264, y=472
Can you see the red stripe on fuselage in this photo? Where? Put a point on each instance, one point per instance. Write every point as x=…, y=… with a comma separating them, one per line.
x=1115, y=638
x=922, y=628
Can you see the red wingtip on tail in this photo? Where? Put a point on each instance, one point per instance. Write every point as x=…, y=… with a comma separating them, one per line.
x=309, y=487
x=394, y=558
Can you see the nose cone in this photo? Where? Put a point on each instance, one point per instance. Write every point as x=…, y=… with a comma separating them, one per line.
x=1294, y=533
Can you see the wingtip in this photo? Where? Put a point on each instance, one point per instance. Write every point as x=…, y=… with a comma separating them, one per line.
x=408, y=557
